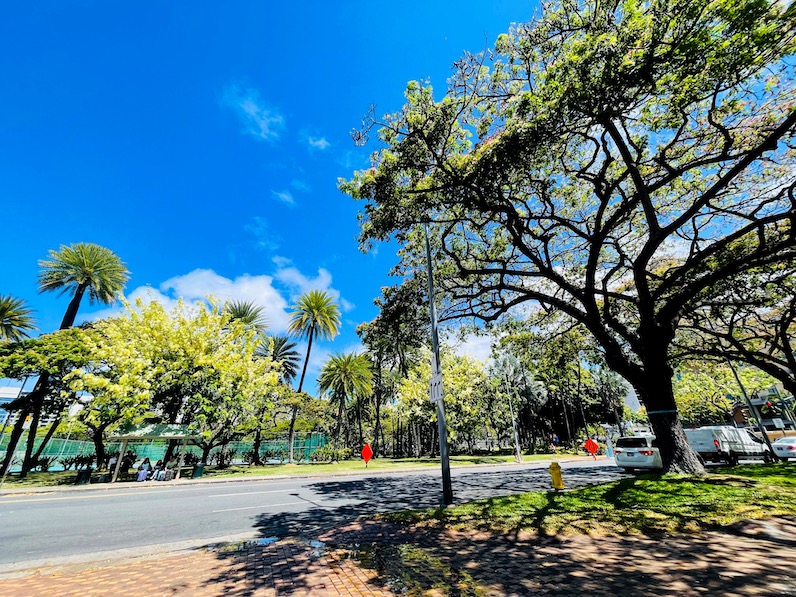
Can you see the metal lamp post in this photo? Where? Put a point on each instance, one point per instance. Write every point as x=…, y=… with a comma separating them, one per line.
x=435, y=386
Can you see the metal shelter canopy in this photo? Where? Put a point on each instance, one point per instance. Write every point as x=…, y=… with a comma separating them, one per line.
x=153, y=431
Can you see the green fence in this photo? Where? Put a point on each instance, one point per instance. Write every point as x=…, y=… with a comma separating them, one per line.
x=273, y=449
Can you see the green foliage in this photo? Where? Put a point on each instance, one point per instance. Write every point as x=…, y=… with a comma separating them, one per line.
x=612, y=161
x=84, y=265
x=281, y=350
x=346, y=376
x=195, y=364
x=331, y=454
x=248, y=313
x=315, y=315
x=702, y=389
x=648, y=504
x=16, y=320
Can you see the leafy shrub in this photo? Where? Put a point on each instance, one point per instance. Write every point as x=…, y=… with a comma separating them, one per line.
x=223, y=458
x=43, y=463
x=68, y=462
x=276, y=454
x=84, y=460
x=248, y=457
x=331, y=454
x=190, y=459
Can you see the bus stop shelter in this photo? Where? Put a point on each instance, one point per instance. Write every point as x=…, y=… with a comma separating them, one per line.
x=151, y=431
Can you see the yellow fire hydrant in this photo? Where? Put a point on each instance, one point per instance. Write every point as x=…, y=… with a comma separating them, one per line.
x=557, y=481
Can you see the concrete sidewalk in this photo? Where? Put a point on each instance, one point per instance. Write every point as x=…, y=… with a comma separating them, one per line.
x=372, y=558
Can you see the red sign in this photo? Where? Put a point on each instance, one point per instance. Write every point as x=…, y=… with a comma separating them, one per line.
x=367, y=454
x=591, y=446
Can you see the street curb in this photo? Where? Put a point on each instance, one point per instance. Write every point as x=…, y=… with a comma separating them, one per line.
x=182, y=482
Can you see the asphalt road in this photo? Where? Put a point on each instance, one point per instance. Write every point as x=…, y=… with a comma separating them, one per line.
x=61, y=524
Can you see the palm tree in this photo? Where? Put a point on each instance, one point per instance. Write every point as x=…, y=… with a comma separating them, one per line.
x=79, y=268
x=314, y=315
x=15, y=319
x=249, y=313
x=346, y=376
x=283, y=351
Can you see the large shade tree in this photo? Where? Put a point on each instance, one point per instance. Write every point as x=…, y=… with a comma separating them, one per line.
x=315, y=315
x=612, y=161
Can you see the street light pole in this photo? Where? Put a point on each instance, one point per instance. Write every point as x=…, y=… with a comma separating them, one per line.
x=436, y=378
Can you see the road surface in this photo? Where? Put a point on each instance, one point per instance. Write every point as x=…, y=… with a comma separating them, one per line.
x=59, y=524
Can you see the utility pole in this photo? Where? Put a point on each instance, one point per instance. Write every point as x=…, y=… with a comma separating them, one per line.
x=517, y=450
x=435, y=388
x=752, y=410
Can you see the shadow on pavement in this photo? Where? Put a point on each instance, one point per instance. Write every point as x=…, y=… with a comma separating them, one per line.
x=341, y=501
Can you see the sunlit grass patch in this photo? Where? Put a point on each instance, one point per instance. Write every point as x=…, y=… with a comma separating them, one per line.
x=649, y=504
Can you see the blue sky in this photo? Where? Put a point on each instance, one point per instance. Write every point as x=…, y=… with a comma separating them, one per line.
x=202, y=142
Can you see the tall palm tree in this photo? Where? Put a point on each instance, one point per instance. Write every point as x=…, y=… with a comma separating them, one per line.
x=346, y=376
x=250, y=314
x=79, y=268
x=15, y=319
x=315, y=315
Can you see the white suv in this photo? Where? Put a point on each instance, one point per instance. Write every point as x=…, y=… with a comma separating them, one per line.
x=638, y=451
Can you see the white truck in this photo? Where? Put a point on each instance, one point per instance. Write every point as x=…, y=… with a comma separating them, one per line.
x=717, y=443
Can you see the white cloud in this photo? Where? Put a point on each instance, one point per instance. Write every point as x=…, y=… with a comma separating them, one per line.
x=473, y=345
x=318, y=143
x=259, y=290
x=259, y=121
x=293, y=278
x=284, y=197
x=300, y=185
x=346, y=306
x=264, y=239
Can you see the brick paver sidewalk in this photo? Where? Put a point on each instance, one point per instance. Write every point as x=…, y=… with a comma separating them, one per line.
x=754, y=558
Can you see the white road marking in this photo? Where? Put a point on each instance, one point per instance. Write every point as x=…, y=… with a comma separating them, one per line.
x=247, y=493
x=260, y=507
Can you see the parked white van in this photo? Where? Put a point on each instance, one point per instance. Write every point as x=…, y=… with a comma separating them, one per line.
x=718, y=443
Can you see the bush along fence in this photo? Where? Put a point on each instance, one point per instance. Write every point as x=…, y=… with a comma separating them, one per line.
x=69, y=454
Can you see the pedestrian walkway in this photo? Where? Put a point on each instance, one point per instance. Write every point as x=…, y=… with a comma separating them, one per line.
x=374, y=558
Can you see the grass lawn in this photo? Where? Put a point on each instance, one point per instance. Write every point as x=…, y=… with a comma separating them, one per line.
x=55, y=478
x=648, y=504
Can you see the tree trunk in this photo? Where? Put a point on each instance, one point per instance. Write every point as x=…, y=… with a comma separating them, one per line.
x=99, y=445
x=47, y=438
x=35, y=400
x=16, y=433
x=206, y=447
x=657, y=395
x=339, y=422
x=74, y=305
x=359, y=423
x=27, y=462
x=291, y=433
x=377, y=428
x=292, y=430
x=256, y=448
